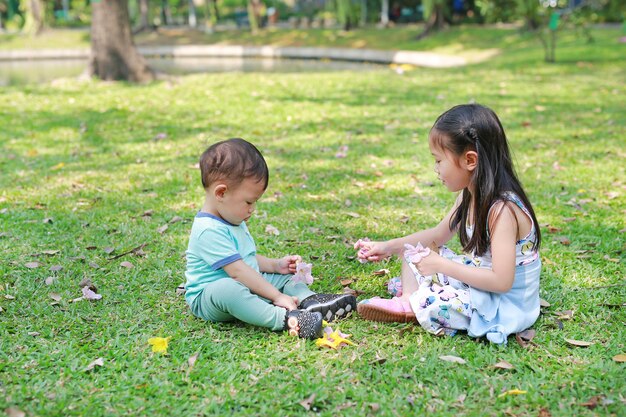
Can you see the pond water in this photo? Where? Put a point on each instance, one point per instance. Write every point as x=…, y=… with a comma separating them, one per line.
x=42, y=71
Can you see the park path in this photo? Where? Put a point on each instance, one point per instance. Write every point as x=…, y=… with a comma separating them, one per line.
x=415, y=58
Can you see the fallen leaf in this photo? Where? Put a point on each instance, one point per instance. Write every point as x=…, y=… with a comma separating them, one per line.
x=50, y=280
x=620, y=358
x=353, y=214
x=307, y=403
x=592, y=402
x=50, y=252
x=579, y=343
x=375, y=407
x=88, y=294
x=109, y=250
x=14, y=412
x=271, y=230
x=544, y=412
x=175, y=219
x=346, y=282
x=56, y=297
x=565, y=315
x=381, y=272
x=192, y=361
x=512, y=392
x=33, y=334
x=56, y=268
x=524, y=338
x=86, y=282
x=564, y=240
x=92, y=365
x=57, y=166
x=451, y=358
x=162, y=229
x=9, y=297
x=543, y=303
x=47, y=220
x=503, y=365
x=32, y=265
x=127, y=264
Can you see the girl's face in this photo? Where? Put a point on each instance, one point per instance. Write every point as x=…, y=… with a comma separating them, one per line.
x=453, y=171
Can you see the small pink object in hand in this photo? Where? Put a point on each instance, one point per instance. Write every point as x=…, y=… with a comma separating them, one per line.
x=360, y=256
x=415, y=254
x=303, y=273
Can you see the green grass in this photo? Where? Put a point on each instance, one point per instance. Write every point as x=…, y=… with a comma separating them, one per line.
x=85, y=156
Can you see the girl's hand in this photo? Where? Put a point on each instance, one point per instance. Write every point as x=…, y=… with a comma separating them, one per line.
x=371, y=251
x=287, y=264
x=430, y=264
x=286, y=301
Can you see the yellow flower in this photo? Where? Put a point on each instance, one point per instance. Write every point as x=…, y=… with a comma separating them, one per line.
x=159, y=344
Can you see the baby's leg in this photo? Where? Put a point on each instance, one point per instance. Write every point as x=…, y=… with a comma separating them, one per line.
x=227, y=300
x=284, y=284
x=441, y=309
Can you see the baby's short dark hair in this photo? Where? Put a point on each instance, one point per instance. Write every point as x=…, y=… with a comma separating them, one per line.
x=232, y=160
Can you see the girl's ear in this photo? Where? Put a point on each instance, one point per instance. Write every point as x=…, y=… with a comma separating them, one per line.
x=471, y=160
x=219, y=191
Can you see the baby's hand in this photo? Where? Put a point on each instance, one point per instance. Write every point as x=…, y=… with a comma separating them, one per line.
x=287, y=264
x=286, y=301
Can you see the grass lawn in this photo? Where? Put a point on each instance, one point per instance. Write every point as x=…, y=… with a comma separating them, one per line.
x=91, y=171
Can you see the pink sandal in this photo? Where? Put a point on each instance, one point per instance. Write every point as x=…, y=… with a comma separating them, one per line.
x=385, y=310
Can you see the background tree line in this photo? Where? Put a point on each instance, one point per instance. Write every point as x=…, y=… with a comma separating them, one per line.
x=33, y=15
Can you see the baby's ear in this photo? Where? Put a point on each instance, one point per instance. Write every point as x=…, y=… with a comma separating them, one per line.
x=219, y=190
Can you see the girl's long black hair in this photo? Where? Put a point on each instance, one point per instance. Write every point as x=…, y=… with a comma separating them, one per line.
x=474, y=127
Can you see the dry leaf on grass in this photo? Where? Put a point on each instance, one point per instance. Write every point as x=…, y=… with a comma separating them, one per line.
x=308, y=402
x=525, y=338
x=579, y=343
x=452, y=358
x=271, y=230
x=620, y=358
x=14, y=412
x=503, y=365
x=92, y=365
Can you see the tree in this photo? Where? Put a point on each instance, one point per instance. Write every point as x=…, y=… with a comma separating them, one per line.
x=434, y=13
x=113, y=53
x=34, y=12
x=144, y=16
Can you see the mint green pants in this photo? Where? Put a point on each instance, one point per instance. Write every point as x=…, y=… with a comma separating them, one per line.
x=229, y=300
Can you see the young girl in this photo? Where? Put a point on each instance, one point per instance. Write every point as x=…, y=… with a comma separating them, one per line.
x=493, y=291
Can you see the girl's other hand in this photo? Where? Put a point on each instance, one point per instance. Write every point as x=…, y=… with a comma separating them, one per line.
x=287, y=264
x=430, y=264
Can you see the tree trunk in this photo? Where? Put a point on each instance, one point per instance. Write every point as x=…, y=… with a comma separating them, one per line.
x=113, y=53
x=435, y=22
x=166, y=13
x=33, y=16
x=144, y=16
x=384, y=13
x=193, y=21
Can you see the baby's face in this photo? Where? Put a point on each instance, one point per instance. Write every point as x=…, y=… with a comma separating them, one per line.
x=239, y=202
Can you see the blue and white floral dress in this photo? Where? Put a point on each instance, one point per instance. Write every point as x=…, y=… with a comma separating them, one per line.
x=444, y=305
